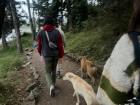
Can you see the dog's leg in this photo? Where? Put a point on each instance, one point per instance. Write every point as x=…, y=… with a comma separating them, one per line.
x=136, y=86
x=89, y=103
x=86, y=75
x=82, y=75
x=78, y=100
x=93, y=80
x=74, y=94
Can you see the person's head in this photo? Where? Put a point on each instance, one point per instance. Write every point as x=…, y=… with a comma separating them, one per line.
x=49, y=20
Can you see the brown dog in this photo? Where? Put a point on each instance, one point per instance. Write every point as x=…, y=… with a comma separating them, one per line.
x=88, y=69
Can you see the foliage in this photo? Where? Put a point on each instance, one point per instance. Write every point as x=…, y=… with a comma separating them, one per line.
x=47, y=8
x=105, y=23
x=96, y=44
x=26, y=40
x=77, y=12
x=117, y=12
x=42, y=7
x=56, y=4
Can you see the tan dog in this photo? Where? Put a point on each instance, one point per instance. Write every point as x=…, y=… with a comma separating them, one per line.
x=88, y=69
x=82, y=88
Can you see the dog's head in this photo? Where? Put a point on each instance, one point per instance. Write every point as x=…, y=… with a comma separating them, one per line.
x=68, y=76
x=83, y=58
x=90, y=63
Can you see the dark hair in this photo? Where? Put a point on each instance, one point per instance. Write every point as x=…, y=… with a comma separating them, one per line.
x=56, y=24
x=49, y=20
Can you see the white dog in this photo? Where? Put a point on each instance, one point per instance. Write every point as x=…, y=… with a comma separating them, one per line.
x=118, y=80
x=82, y=88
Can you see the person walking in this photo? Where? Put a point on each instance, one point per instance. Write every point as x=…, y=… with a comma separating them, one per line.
x=50, y=46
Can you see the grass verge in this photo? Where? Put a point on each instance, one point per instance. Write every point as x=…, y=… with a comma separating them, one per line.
x=9, y=61
x=96, y=44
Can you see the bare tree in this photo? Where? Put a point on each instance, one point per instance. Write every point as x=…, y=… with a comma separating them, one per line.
x=16, y=25
x=4, y=42
x=31, y=21
x=33, y=15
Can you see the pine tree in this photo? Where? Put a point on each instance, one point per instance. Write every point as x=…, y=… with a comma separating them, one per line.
x=31, y=21
x=42, y=7
x=77, y=13
x=116, y=13
x=7, y=26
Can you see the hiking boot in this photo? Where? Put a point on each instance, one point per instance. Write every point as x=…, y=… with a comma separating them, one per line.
x=52, y=91
x=58, y=75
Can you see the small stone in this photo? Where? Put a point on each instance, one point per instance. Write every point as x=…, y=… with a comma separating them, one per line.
x=36, y=75
x=35, y=92
x=29, y=57
x=31, y=50
x=29, y=80
x=26, y=49
x=18, y=89
x=31, y=97
x=32, y=68
x=25, y=65
x=32, y=86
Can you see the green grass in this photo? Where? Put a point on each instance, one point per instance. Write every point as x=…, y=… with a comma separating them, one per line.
x=27, y=40
x=6, y=95
x=96, y=44
x=9, y=60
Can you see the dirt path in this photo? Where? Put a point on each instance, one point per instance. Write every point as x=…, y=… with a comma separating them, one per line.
x=64, y=90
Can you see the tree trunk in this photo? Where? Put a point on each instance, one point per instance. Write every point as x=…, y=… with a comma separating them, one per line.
x=31, y=21
x=16, y=25
x=134, y=23
x=61, y=21
x=2, y=14
x=4, y=42
x=34, y=20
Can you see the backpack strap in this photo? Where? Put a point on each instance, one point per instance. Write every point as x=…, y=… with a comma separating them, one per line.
x=47, y=36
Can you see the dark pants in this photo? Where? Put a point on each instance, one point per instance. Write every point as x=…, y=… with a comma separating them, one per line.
x=50, y=65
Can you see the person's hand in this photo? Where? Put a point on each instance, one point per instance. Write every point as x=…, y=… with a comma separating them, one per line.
x=36, y=50
x=42, y=60
x=60, y=60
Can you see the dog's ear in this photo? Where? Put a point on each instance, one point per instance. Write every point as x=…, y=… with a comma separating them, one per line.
x=92, y=63
x=80, y=57
x=70, y=76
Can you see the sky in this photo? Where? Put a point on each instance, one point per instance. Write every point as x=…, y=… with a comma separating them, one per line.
x=24, y=7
